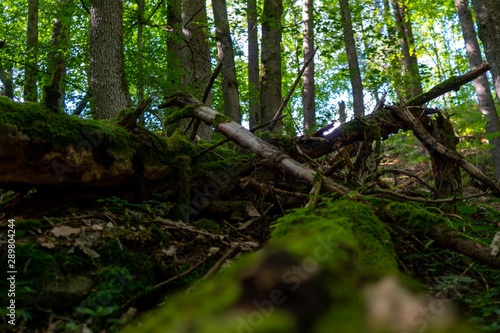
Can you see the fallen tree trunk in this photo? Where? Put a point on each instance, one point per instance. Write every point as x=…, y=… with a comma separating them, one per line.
x=363, y=128
x=245, y=138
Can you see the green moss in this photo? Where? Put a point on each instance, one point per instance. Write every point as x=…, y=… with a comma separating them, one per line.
x=337, y=241
x=408, y=215
x=208, y=225
x=42, y=125
x=220, y=119
x=174, y=115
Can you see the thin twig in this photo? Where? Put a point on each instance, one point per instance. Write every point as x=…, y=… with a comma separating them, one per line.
x=220, y=262
x=180, y=275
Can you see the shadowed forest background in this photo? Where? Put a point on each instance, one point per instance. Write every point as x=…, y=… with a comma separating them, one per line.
x=250, y=165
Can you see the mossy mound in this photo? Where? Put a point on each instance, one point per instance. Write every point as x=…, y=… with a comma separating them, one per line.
x=307, y=279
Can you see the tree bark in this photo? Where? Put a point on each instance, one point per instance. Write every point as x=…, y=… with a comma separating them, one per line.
x=107, y=64
x=412, y=84
x=140, y=49
x=270, y=81
x=352, y=59
x=225, y=55
x=30, y=70
x=481, y=84
x=174, y=44
x=489, y=33
x=253, y=65
x=195, y=54
x=308, y=91
x=60, y=43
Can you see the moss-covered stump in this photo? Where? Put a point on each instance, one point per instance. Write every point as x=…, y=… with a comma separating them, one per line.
x=322, y=271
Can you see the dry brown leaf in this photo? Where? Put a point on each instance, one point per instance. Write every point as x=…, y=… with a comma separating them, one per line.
x=64, y=231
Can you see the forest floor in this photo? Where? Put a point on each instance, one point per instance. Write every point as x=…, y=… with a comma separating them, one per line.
x=97, y=264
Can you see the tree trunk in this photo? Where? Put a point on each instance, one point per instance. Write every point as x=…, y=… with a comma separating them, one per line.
x=30, y=70
x=489, y=33
x=352, y=59
x=412, y=83
x=107, y=62
x=226, y=56
x=195, y=54
x=253, y=65
x=60, y=43
x=308, y=93
x=174, y=44
x=270, y=81
x=481, y=84
x=140, y=59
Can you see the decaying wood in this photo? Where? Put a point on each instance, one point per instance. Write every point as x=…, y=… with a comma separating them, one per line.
x=251, y=142
x=363, y=128
x=436, y=148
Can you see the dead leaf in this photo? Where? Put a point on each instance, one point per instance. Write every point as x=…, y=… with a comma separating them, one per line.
x=64, y=231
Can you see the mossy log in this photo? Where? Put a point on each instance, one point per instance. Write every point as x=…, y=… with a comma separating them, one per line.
x=328, y=270
x=40, y=147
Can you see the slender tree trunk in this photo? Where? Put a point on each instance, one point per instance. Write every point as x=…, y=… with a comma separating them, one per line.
x=6, y=78
x=253, y=65
x=308, y=93
x=30, y=70
x=60, y=42
x=107, y=64
x=412, y=83
x=174, y=44
x=140, y=48
x=489, y=31
x=352, y=59
x=481, y=84
x=195, y=54
x=225, y=55
x=270, y=81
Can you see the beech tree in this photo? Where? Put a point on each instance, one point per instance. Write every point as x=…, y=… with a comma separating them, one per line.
x=270, y=75
x=107, y=67
x=225, y=55
x=409, y=63
x=489, y=32
x=30, y=69
x=481, y=84
x=352, y=59
x=253, y=64
x=308, y=90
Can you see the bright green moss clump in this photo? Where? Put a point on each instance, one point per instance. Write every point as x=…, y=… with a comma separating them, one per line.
x=333, y=249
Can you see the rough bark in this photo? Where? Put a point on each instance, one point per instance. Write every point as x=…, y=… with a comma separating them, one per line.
x=481, y=84
x=270, y=80
x=308, y=91
x=413, y=85
x=352, y=59
x=30, y=70
x=489, y=33
x=225, y=55
x=195, y=55
x=253, y=65
x=107, y=64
